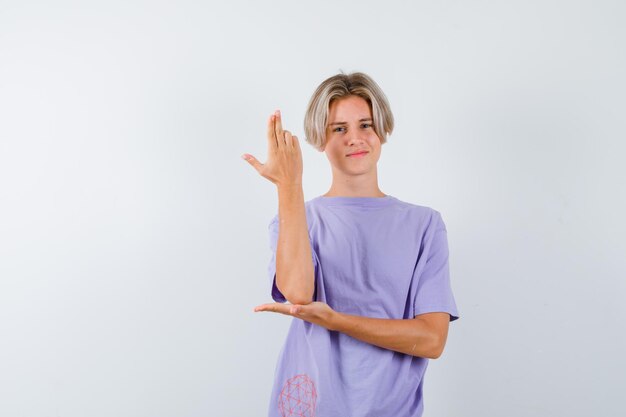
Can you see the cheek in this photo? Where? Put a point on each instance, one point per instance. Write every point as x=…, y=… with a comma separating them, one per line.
x=336, y=152
x=333, y=153
x=375, y=142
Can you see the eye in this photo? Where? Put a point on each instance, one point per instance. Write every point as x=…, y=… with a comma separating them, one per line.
x=339, y=129
x=366, y=125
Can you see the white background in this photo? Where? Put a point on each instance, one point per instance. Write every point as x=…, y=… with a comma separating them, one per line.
x=133, y=237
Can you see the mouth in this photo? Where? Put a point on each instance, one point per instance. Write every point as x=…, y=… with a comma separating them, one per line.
x=357, y=155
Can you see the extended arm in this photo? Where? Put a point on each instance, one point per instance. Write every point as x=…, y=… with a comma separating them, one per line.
x=424, y=336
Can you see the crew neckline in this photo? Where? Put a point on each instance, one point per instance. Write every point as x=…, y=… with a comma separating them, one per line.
x=355, y=201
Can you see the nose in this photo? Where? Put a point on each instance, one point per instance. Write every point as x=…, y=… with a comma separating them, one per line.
x=354, y=138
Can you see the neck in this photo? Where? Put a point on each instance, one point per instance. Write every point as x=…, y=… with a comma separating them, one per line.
x=355, y=186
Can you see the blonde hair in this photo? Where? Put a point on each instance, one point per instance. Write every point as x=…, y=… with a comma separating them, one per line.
x=340, y=86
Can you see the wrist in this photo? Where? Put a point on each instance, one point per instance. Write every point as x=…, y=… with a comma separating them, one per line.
x=289, y=185
x=290, y=191
x=334, y=323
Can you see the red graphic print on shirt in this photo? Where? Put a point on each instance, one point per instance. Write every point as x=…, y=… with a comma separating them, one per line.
x=298, y=397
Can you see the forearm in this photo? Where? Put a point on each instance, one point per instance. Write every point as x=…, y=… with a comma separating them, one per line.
x=294, y=264
x=410, y=336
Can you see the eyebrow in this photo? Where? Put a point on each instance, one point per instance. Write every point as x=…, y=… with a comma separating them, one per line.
x=368, y=119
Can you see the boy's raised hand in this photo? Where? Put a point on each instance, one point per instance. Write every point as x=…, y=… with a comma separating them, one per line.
x=284, y=157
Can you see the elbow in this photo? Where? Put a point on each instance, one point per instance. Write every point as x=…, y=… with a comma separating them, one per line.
x=300, y=296
x=437, y=348
x=436, y=354
x=299, y=300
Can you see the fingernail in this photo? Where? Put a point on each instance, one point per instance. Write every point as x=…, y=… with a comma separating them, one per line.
x=244, y=156
x=277, y=113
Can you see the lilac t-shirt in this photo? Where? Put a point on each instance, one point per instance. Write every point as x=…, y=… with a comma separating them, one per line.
x=375, y=257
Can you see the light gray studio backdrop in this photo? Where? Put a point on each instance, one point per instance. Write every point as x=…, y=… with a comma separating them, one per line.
x=133, y=237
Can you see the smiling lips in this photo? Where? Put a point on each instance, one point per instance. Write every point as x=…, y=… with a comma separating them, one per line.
x=357, y=154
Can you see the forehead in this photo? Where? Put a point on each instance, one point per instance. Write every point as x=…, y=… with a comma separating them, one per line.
x=347, y=108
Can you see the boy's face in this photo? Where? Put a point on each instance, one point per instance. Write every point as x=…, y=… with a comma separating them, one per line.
x=350, y=129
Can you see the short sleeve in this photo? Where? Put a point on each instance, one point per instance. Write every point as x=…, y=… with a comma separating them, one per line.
x=434, y=292
x=271, y=269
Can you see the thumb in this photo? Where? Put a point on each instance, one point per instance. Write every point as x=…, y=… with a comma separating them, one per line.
x=252, y=161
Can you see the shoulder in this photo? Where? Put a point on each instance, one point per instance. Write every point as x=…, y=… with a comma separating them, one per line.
x=427, y=214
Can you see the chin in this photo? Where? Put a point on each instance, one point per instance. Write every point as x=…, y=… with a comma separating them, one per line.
x=353, y=171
